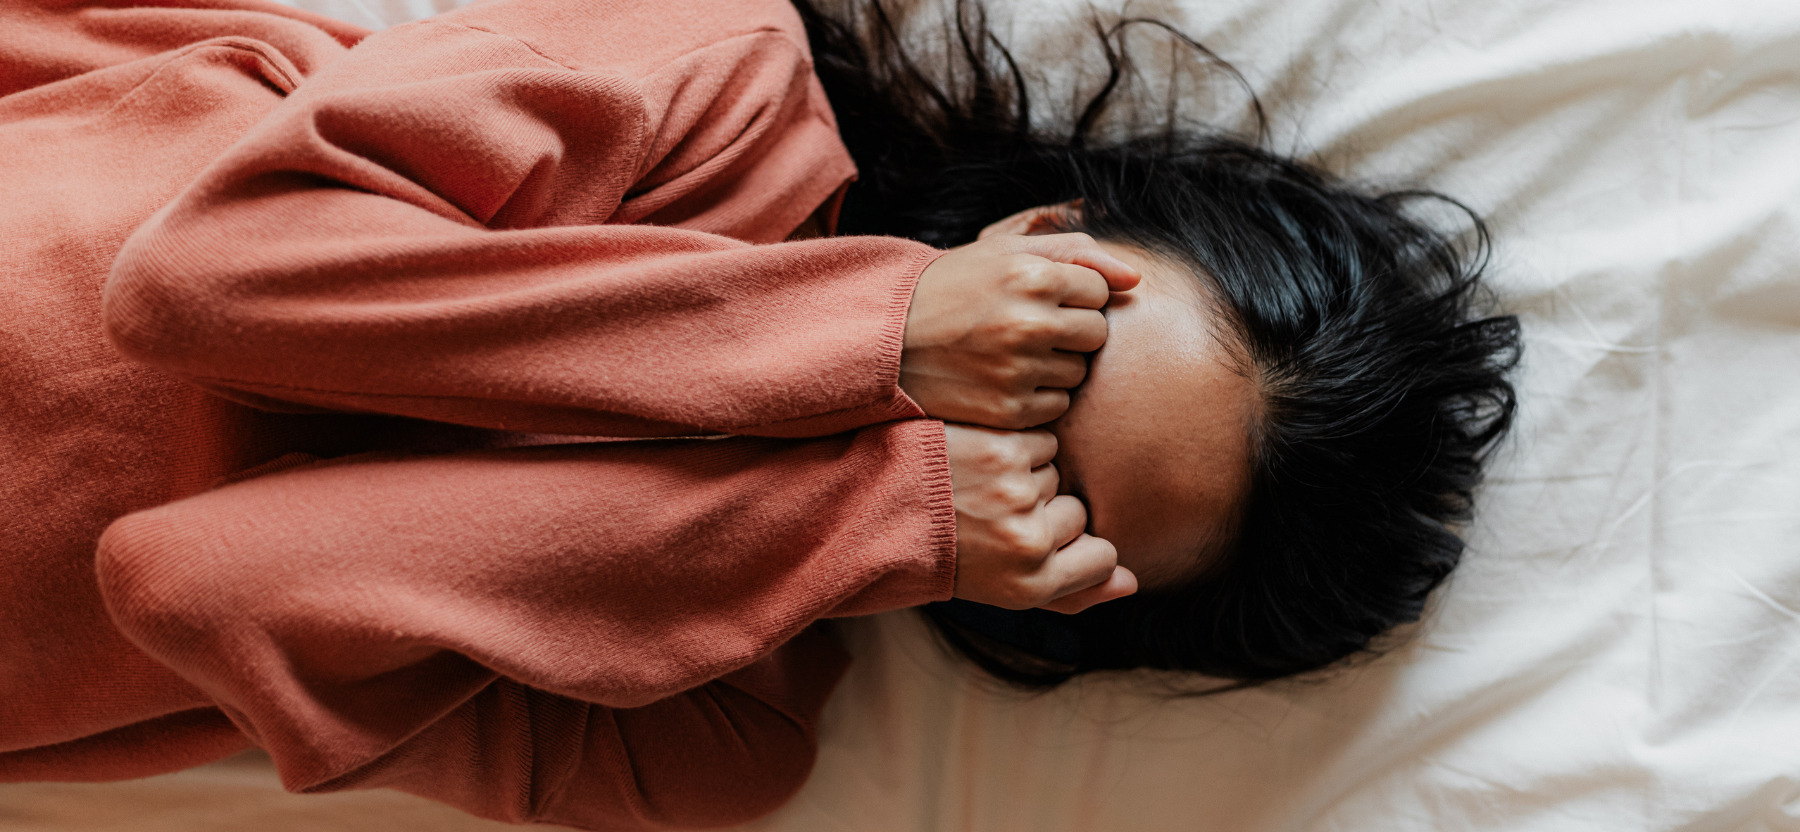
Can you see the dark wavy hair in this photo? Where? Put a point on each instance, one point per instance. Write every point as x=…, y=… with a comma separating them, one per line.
x=1383, y=386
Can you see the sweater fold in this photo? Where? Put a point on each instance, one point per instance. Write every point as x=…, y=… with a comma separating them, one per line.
x=317, y=327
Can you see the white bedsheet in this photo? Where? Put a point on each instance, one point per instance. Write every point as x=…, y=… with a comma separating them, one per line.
x=1621, y=649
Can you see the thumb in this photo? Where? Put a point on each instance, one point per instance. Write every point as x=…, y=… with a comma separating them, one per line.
x=1117, y=585
x=1080, y=250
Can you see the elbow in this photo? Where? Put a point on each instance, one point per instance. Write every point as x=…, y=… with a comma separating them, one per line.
x=755, y=759
x=154, y=310
x=711, y=758
x=174, y=584
x=743, y=789
x=162, y=587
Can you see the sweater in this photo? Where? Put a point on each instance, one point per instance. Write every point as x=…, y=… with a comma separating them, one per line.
x=342, y=376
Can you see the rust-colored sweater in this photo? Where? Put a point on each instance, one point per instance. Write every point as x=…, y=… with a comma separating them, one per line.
x=422, y=274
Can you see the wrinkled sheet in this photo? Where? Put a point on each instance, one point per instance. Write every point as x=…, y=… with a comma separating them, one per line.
x=1621, y=649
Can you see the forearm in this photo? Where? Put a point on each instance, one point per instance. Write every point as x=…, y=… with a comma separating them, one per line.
x=449, y=224
x=338, y=608
x=598, y=331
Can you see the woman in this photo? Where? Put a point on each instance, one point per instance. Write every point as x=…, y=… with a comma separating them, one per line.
x=521, y=222
x=448, y=225
x=1370, y=386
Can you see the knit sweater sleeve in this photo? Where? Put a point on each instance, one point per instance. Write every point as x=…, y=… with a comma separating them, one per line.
x=536, y=215
x=353, y=616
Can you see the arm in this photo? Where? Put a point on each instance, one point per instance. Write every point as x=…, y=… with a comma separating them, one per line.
x=464, y=220
x=728, y=751
x=45, y=41
x=337, y=610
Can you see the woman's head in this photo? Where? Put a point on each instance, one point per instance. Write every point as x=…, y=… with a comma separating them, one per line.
x=1157, y=440
x=1364, y=388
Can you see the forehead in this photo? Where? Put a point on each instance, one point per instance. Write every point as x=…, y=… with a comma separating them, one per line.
x=1158, y=436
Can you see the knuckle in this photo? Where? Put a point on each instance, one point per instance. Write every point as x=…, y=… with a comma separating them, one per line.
x=1010, y=413
x=997, y=456
x=1014, y=492
x=1005, y=333
x=1019, y=597
x=1012, y=539
x=1022, y=540
x=1007, y=374
x=1025, y=328
x=1015, y=337
x=1035, y=328
x=1033, y=280
x=1014, y=456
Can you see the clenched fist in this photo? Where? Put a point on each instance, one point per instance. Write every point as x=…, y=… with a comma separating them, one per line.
x=997, y=330
x=1019, y=544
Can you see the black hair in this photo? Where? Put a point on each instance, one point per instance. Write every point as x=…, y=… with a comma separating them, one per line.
x=1383, y=385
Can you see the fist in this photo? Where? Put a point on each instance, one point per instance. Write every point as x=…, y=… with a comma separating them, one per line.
x=1019, y=544
x=998, y=329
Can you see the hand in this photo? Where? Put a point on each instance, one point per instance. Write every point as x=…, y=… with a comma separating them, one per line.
x=997, y=329
x=1018, y=543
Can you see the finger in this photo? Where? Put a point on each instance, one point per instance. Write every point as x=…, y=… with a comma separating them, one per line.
x=1067, y=518
x=1038, y=407
x=1117, y=585
x=1083, y=330
x=1065, y=370
x=1081, y=250
x=1080, y=287
x=1048, y=482
x=1020, y=223
x=1040, y=446
x=1086, y=561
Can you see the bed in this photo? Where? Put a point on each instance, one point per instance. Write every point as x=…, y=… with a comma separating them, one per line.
x=1621, y=649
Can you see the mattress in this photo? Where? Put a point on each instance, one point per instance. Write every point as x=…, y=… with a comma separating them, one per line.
x=1621, y=648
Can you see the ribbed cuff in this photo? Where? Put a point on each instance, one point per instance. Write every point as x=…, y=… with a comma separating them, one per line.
x=940, y=504
x=886, y=402
x=893, y=338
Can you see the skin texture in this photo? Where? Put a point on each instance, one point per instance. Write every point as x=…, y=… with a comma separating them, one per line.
x=1156, y=441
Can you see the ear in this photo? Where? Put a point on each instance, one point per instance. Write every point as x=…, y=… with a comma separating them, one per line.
x=1044, y=219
